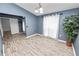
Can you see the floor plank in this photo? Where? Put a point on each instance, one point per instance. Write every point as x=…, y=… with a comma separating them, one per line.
x=19, y=45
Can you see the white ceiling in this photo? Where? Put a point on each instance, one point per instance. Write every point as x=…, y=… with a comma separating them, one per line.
x=48, y=7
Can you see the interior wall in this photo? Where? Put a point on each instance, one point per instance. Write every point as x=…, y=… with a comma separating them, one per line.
x=61, y=33
x=76, y=45
x=40, y=25
x=14, y=26
x=30, y=19
x=5, y=24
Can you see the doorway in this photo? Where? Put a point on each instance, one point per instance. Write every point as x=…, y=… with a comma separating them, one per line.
x=9, y=26
x=21, y=24
x=6, y=28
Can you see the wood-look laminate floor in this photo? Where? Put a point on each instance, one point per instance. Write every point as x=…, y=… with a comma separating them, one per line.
x=19, y=45
x=6, y=35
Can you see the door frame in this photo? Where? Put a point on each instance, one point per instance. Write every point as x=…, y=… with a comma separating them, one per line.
x=24, y=19
x=10, y=16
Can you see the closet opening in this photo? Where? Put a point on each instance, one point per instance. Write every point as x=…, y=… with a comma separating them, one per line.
x=11, y=27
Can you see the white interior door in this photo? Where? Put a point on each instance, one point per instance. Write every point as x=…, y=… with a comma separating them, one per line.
x=50, y=25
x=14, y=26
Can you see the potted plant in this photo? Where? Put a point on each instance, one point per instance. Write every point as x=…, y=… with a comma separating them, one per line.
x=71, y=27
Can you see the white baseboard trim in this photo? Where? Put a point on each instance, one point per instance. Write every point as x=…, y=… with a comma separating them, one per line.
x=40, y=34
x=56, y=39
x=73, y=50
x=32, y=35
x=3, y=50
x=61, y=41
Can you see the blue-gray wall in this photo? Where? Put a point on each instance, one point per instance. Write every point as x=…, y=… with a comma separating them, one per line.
x=76, y=45
x=35, y=23
x=62, y=34
x=40, y=25
x=31, y=20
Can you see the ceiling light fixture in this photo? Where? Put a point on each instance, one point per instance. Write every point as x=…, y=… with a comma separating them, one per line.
x=36, y=11
x=39, y=9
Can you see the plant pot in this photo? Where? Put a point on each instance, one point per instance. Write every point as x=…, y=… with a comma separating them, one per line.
x=69, y=43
